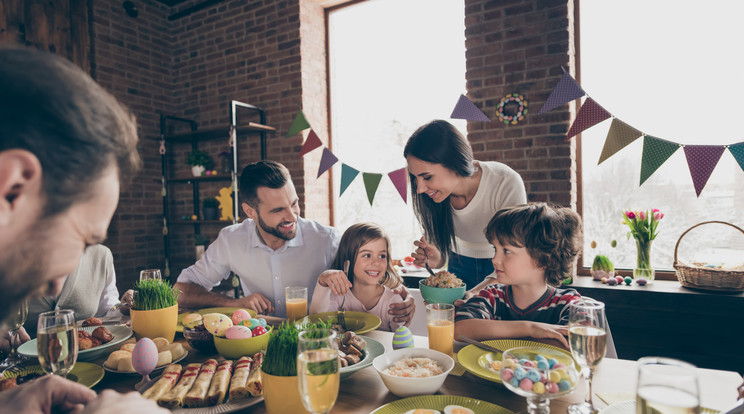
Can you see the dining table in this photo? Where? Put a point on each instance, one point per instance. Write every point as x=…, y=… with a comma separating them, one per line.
x=364, y=391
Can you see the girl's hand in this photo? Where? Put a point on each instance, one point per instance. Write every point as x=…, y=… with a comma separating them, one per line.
x=546, y=330
x=424, y=249
x=336, y=280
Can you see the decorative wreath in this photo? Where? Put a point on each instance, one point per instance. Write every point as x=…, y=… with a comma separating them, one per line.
x=512, y=117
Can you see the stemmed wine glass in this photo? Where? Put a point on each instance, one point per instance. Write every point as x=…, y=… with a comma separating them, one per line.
x=587, y=335
x=56, y=341
x=150, y=274
x=666, y=385
x=17, y=322
x=318, y=369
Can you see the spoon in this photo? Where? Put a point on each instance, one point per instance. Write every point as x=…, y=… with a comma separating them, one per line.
x=426, y=263
x=340, y=311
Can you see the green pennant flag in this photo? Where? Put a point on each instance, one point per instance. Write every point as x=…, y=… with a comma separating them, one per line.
x=655, y=152
x=348, y=175
x=371, y=182
x=737, y=150
x=299, y=124
x=618, y=137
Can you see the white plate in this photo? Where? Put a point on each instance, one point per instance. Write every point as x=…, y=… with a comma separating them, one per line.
x=227, y=407
x=157, y=369
x=121, y=333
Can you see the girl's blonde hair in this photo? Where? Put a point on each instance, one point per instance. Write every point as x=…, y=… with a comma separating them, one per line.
x=353, y=239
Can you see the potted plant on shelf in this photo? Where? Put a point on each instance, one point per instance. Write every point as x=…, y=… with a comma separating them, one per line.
x=200, y=161
x=154, y=310
x=279, y=368
x=211, y=211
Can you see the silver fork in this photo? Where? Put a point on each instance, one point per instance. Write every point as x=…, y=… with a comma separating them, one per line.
x=340, y=311
x=426, y=263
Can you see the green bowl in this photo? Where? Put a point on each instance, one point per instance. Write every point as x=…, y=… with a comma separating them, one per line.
x=236, y=348
x=441, y=295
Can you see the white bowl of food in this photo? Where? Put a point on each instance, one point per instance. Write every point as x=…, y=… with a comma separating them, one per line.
x=413, y=371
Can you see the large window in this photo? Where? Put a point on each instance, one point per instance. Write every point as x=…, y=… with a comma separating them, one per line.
x=669, y=69
x=394, y=65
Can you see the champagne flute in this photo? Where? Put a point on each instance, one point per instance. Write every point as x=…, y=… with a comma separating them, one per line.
x=57, y=341
x=587, y=335
x=318, y=369
x=19, y=318
x=150, y=274
x=666, y=385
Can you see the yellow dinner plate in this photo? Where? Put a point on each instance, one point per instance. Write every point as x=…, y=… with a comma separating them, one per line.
x=438, y=402
x=476, y=360
x=223, y=310
x=84, y=373
x=359, y=322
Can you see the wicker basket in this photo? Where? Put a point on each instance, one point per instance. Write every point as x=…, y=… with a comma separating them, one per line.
x=705, y=278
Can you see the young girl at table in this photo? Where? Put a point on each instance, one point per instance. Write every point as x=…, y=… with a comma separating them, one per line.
x=369, y=285
x=536, y=247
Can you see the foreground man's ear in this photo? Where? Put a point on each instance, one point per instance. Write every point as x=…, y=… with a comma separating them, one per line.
x=20, y=180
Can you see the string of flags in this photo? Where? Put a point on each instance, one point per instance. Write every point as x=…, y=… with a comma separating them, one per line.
x=348, y=173
x=701, y=159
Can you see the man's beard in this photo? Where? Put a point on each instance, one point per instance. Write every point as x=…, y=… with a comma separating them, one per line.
x=23, y=268
x=275, y=230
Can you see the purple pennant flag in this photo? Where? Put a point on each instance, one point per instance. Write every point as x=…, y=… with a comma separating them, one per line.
x=326, y=161
x=398, y=177
x=466, y=109
x=567, y=90
x=590, y=114
x=702, y=160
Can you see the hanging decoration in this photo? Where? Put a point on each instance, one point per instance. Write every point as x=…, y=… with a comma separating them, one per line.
x=466, y=109
x=701, y=159
x=348, y=173
x=512, y=108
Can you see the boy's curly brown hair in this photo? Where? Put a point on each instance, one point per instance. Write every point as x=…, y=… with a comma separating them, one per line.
x=551, y=234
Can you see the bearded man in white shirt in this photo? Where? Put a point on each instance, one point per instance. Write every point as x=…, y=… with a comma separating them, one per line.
x=273, y=249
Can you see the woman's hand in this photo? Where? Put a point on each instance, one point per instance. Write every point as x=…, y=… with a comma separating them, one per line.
x=468, y=294
x=425, y=249
x=336, y=280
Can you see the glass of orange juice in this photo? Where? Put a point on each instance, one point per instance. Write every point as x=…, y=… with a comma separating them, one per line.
x=296, y=299
x=440, y=321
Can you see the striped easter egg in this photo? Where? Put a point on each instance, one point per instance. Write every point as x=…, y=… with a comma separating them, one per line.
x=403, y=338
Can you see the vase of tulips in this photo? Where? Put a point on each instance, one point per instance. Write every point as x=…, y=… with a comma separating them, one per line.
x=643, y=228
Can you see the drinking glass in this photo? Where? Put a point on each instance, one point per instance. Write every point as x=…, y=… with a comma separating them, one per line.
x=440, y=322
x=19, y=318
x=296, y=300
x=318, y=369
x=150, y=274
x=587, y=335
x=666, y=385
x=56, y=341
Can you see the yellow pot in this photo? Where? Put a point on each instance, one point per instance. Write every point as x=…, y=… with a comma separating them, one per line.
x=155, y=323
x=281, y=394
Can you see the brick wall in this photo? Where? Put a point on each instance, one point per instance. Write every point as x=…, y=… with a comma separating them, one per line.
x=272, y=54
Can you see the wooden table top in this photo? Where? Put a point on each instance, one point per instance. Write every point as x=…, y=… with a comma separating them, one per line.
x=364, y=390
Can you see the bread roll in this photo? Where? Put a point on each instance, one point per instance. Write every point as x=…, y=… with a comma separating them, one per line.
x=113, y=360
x=128, y=347
x=125, y=364
x=161, y=343
x=164, y=357
x=176, y=349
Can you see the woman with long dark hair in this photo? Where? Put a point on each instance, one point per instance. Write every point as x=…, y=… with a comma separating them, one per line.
x=454, y=197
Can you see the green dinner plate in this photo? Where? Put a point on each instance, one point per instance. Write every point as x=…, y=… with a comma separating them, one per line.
x=359, y=322
x=371, y=351
x=223, y=310
x=477, y=360
x=438, y=402
x=84, y=373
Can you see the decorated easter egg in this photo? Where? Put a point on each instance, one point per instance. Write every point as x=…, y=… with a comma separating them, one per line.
x=190, y=320
x=552, y=387
x=538, y=388
x=612, y=281
x=251, y=322
x=239, y=316
x=619, y=279
x=144, y=356
x=403, y=338
x=641, y=282
x=259, y=330
x=262, y=321
x=238, y=332
x=217, y=323
x=628, y=280
x=526, y=384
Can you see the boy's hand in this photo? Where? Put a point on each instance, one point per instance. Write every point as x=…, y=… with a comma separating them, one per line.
x=336, y=280
x=546, y=330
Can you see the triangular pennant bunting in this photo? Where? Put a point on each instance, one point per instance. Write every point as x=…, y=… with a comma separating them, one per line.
x=299, y=124
x=567, y=90
x=590, y=114
x=655, y=153
x=618, y=137
x=326, y=161
x=371, y=182
x=466, y=109
x=310, y=144
x=398, y=177
x=702, y=160
x=737, y=150
x=348, y=175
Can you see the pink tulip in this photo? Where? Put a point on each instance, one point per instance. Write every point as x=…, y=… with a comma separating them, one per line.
x=642, y=214
x=658, y=215
x=631, y=215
